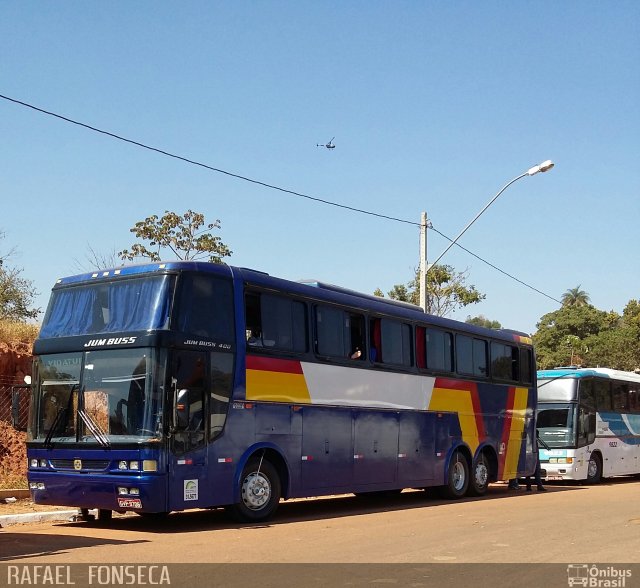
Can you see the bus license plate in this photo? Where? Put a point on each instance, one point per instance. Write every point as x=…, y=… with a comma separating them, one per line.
x=555, y=478
x=129, y=503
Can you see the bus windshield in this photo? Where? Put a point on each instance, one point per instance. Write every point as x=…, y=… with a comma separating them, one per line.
x=132, y=304
x=556, y=424
x=110, y=396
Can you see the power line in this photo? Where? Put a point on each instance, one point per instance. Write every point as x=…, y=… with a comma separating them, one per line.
x=259, y=183
x=496, y=268
x=209, y=167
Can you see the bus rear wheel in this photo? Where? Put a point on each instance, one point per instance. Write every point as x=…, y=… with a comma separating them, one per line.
x=260, y=492
x=479, y=481
x=594, y=469
x=457, y=477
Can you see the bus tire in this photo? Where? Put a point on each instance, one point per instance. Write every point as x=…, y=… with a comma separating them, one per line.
x=260, y=491
x=457, y=477
x=479, y=479
x=594, y=469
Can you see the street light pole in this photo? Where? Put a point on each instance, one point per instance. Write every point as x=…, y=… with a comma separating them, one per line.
x=423, y=261
x=543, y=167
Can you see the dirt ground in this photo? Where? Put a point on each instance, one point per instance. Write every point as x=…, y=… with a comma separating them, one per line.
x=25, y=506
x=13, y=453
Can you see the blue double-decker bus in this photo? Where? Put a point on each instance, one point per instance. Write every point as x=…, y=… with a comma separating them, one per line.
x=170, y=386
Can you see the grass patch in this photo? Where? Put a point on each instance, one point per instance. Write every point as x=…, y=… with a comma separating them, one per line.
x=18, y=336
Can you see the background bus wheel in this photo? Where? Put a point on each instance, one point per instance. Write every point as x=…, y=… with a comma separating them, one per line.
x=594, y=469
x=457, y=477
x=479, y=481
x=259, y=492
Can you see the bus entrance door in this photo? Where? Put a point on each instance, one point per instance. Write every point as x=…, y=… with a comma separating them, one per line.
x=188, y=456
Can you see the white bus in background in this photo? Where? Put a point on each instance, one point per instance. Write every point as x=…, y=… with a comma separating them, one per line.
x=590, y=420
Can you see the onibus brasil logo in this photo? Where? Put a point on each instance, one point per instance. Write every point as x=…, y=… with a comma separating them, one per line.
x=592, y=576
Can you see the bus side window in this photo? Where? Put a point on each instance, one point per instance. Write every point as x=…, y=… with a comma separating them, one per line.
x=620, y=400
x=439, y=346
x=275, y=322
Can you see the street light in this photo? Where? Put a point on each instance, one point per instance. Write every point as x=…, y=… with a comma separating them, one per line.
x=543, y=167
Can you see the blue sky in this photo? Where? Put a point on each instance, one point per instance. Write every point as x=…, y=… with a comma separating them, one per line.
x=434, y=107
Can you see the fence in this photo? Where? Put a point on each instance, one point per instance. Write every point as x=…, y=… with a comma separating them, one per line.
x=15, y=412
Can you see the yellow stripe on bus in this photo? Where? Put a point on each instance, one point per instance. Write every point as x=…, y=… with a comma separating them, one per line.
x=518, y=418
x=277, y=387
x=458, y=401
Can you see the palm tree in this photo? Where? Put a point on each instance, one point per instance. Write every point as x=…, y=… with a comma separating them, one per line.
x=575, y=297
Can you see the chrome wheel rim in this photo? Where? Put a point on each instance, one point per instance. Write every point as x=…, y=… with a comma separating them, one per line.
x=458, y=477
x=256, y=491
x=481, y=475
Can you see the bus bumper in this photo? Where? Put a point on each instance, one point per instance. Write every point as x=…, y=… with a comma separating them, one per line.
x=141, y=493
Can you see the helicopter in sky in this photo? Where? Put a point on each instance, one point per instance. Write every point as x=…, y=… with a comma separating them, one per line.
x=328, y=145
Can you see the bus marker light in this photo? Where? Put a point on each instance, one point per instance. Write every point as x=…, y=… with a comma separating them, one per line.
x=185, y=462
x=134, y=465
x=402, y=455
x=33, y=486
x=40, y=486
x=225, y=460
x=358, y=456
x=134, y=491
x=307, y=458
x=122, y=490
x=34, y=463
x=122, y=465
x=149, y=465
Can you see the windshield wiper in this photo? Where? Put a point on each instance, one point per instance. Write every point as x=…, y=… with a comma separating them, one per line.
x=60, y=416
x=94, y=428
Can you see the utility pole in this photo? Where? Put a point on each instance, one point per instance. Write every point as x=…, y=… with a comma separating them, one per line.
x=423, y=261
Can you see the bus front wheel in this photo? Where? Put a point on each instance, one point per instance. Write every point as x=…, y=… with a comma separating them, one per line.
x=594, y=469
x=259, y=492
x=457, y=477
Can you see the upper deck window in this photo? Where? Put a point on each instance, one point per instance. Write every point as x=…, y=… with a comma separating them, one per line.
x=205, y=306
x=129, y=304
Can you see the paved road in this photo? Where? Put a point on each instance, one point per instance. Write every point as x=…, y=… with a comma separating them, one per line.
x=568, y=524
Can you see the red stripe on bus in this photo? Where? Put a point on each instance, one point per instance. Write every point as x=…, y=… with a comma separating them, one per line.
x=270, y=364
x=506, y=430
x=449, y=384
x=477, y=411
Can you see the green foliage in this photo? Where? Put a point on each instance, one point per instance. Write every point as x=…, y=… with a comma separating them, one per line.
x=16, y=293
x=180, y=235
x=483, y=321
x=584, y=335
x=446, y=290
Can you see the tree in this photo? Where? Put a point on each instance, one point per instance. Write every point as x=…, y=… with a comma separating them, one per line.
x=575, y=297
x=16, y=292
x=566, y=335
x=446, y=290
x=95, y=260
x=619, y=347
x=483, y=321
x=178, y=234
